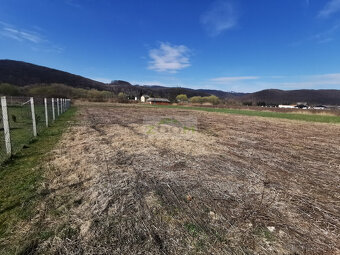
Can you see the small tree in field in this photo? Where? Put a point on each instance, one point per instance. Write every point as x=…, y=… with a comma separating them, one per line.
x=182, y=98
x=122, y=97
x=213, y=100
x=196, y=100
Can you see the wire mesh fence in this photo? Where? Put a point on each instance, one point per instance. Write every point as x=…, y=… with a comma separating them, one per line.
x=2, y=139
x=23, y=118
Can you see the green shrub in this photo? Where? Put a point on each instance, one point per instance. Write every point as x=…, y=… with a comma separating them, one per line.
x=196, y=100
x=212, y=99
x=182, y=98
x=9, y=90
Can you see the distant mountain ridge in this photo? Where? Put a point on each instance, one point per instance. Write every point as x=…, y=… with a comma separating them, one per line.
x=276, y=96
x=23, y=74
x=20, y=73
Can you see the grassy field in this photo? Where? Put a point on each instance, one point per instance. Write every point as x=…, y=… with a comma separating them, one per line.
x=230, y=185
x=20, y=178
x=267, y=114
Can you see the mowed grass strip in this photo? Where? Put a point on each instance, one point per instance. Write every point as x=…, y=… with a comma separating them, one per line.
x=21, y=175
x=267, y=114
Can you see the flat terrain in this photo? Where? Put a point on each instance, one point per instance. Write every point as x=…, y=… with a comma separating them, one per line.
x=136, y=180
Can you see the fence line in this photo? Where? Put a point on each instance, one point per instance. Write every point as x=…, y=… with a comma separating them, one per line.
x=23, y=118
x=6, y=126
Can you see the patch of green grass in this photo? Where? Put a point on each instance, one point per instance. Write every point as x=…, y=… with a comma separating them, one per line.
x=20, y=122
x=20, y=178
x=264, y=233
x=281, y=115
x=192, y=229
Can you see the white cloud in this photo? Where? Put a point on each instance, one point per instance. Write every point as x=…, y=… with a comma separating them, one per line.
x=169, y=58
x=222, y=15
x=330, y=8
x=227, y=80
x=9, y=31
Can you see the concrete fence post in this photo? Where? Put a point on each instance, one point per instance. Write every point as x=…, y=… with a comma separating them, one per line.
x=58, y=111
x=6, y=126
x=61, y=105
x=33, y=117
x=46, y=112
x=53, y=110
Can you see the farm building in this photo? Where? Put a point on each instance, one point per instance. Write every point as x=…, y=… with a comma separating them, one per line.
x=287, y=106
x=319, y=107
x=144, y=98
x=158, y=101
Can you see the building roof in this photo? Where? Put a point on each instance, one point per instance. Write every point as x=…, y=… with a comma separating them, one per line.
x=158, y=100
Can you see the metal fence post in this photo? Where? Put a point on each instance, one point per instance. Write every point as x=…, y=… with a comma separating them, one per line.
x=53, y=112
x=33, y=117
x=61, y=106
x=6, y=126
x=58, y=106
x=46, y=113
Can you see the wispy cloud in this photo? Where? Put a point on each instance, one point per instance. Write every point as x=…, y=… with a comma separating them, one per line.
x=314, y=81
x=73, y=3
x=227, y=80
x=321, y=37
x=34, y=39
x=256, y=83
x=169, y=58
x=329, y=9
x=326, y=36
x=221, y=16
x=10, y=31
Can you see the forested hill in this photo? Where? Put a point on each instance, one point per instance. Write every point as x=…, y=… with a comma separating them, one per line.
x=24, y=74
x=21, y=74
x=276, y=96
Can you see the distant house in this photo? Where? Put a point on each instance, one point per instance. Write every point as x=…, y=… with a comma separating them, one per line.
x=320, y=107
x=144, y=98
x=287, y=106
x=161, y=101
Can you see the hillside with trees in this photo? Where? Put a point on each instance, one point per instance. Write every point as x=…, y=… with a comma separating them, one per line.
x=21, y=78
x=276, y=96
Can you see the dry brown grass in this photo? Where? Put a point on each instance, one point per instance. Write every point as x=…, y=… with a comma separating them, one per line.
x=239, y=185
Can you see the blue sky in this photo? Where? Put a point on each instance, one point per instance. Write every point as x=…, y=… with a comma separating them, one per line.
x=232, y=45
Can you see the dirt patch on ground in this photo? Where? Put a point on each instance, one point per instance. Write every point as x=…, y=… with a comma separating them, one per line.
x=230, y=185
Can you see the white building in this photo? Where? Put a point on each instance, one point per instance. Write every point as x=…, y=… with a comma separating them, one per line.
x=287, y=106
x=144, y=98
